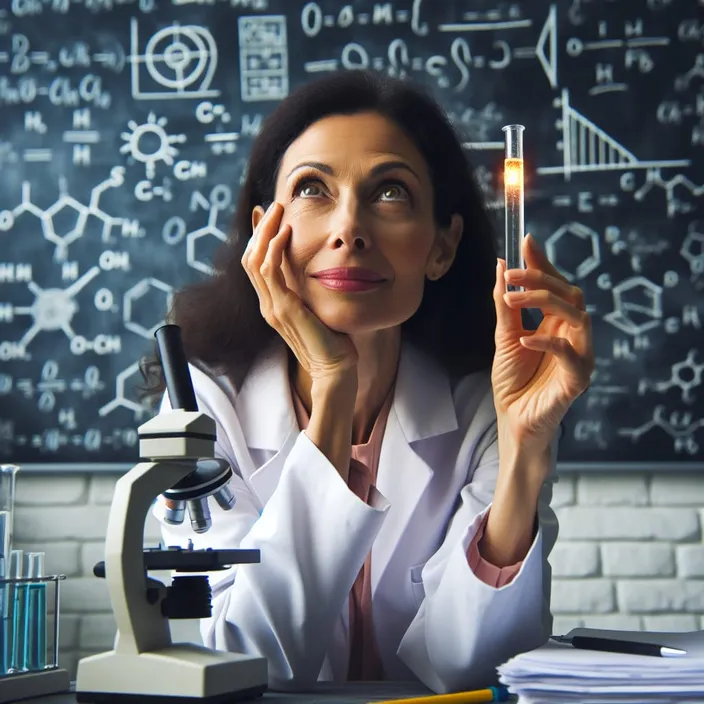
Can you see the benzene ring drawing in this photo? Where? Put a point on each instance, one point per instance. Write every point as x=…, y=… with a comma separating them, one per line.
x=178, y=61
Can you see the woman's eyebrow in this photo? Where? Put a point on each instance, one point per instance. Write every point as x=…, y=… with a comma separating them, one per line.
x=378, y=170
x=385, y=166
x=314, y=164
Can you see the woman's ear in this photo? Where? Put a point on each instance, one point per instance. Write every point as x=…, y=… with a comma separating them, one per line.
x=443, y=253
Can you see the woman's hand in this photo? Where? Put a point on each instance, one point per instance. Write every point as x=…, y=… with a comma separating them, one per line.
x=324, y=354
x=536, y=376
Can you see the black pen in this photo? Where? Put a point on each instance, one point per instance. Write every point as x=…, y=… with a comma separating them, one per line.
x=613, y=645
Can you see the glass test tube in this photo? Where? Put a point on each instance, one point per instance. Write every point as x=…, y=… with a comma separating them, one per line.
x=513, y=198
x=35, y=615
x=14, y=633
x=4, y=620
x=7, y=504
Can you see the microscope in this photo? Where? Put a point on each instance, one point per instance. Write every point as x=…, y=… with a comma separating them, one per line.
x=177, y=451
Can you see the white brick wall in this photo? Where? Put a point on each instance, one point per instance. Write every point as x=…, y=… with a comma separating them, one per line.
x=630, y=553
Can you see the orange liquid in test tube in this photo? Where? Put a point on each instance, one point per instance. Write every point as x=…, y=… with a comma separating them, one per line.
x=513, y=199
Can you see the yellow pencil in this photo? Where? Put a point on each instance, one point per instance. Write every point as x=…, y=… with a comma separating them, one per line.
x=491, y=694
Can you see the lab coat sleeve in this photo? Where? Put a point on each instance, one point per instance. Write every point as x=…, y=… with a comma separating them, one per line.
x=314, y=534
x=464, y=627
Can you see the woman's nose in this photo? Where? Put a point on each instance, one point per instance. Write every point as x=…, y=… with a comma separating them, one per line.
x=348, y=228
x=353, y=242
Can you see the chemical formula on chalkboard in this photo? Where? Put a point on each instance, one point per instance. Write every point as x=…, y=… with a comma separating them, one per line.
x=122, y=149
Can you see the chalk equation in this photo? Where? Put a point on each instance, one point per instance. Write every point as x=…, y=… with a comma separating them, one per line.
x=122, y=151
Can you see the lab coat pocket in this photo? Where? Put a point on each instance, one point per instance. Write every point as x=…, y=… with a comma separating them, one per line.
x=417, y=583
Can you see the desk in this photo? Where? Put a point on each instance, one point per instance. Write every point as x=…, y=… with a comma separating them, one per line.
x=361, y=692
x=324, y=693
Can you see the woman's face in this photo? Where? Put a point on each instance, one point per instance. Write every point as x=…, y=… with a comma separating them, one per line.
x=357, y=194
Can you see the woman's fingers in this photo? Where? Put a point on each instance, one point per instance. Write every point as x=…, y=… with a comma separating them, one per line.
x=271, y=269
x=537, y=259
x=577, y=365
x=535, y=279
x=506, y=317
x=558, y=346
x=256, y=252
x=548, y=302
x=266, y=229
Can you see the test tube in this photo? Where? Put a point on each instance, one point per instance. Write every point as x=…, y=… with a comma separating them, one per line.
x=4, y=620
x=513, y=199
x=8, y=474
x=35, y=615
x=15, y=604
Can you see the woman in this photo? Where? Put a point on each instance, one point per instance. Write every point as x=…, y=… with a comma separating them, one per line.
x=391, y=425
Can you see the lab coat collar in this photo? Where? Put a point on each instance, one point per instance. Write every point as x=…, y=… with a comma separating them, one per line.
x=422, y=403
x=264, y=404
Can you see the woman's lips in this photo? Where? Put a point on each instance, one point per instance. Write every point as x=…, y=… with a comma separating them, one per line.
x=349, y=279
x=348, y=285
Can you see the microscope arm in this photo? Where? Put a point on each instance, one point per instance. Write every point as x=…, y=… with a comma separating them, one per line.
x=141, y=627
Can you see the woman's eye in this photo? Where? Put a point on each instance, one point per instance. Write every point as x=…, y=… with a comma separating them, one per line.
x=308, y=189
x=393, y=192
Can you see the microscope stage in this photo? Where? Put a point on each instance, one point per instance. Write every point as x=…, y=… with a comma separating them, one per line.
x=189, y=560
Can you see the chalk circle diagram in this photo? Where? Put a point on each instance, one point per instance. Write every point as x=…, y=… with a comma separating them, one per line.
x=153, y=130
x=178, y=61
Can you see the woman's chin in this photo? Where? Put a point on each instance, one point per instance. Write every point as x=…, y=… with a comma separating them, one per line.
x=354, y=318
x=358, y=323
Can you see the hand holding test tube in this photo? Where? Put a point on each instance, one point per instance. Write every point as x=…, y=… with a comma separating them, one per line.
x=513, y=199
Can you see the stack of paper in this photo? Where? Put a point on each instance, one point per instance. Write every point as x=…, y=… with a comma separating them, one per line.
x=559, y=672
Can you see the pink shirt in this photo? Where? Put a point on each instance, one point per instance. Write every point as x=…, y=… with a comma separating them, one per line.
x=365, y=663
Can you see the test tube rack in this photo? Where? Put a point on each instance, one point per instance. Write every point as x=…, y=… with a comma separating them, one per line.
x=50, y=679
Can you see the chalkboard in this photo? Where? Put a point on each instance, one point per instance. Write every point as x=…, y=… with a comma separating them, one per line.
x=125, y=127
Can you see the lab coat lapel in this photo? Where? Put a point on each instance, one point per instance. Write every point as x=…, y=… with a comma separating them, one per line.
x=267, y=416
x=423, y=408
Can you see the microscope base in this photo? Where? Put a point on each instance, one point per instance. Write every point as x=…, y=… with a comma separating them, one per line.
x=107, y=698
x=176, y=674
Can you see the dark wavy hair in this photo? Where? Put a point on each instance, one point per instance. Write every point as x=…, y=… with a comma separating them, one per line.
x=220, y=320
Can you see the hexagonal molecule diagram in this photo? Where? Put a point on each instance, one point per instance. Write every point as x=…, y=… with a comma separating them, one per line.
x=687, y=375
x=637, y=306
x=204, y=240
x=200, y=243
x=693, y=250
x=574, y=250
x=125, y=395
x=145, y=305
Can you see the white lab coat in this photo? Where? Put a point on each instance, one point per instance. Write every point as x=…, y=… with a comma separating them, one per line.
x=435, y=621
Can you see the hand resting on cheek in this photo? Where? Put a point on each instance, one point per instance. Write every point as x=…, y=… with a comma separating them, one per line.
x=323, y=353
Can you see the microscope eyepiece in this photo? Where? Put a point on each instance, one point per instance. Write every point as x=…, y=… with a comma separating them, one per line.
x=175, y=367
